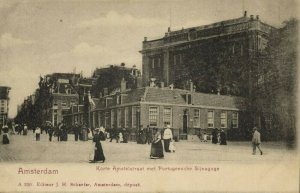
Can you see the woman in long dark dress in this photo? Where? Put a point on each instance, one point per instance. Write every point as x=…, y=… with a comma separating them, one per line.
x=5, y=135
x=98, y=155
x=223, y=138
x=157, y=147
x=215, y=136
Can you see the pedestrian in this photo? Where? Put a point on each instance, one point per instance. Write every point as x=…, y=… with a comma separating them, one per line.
x=90, y=134
x=37, y=133
x=84, y=133
x=256, y=141
x=125, y=135
x=214, y=139
x=98, y=153
x=64, y=132
x=25, y=129
x=172, y=147
x=58, y=133
x=5, y=135
x=76, y=131
x=223, y=140
x=50, y=131
x=168, y=136
x=148, y=135
x=156, y=151
x=113, y=135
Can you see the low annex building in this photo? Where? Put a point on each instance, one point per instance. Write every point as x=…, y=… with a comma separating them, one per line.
x=188, y=112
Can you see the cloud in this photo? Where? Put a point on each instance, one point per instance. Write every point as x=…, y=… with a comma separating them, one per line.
x=113, y=18
x=8, y=41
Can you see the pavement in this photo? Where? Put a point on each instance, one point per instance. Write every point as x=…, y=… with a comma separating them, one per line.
x=24, y=149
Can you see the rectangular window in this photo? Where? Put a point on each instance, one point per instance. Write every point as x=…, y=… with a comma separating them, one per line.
x=119, y=118
x=153, y=116
x=112, y=119
x=158, y=63
x=119, y=99
x=197, y=118
x=235, y=118
x=167, y=116
x=223, y=120
x=133, y=117
x=210, y=119
x=126, y=117
x=189, y=99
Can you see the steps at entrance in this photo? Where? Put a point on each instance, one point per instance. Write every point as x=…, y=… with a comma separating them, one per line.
x=193, y=138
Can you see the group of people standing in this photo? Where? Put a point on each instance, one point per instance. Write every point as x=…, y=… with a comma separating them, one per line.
x=219, y=137
x=157, y=147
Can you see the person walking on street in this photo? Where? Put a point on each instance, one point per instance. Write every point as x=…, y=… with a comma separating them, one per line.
x=5, y=135
x=157, y=151
x=148, y=135
x=50, y=132
x=98, y=155
x=214, y=139
x=76, y=131
x=223, y=140
x=168, y=136
x=25, y=129
x=256, y=141
x=37, y=134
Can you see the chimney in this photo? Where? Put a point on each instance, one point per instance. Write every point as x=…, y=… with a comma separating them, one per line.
x=245, y=13
x=162, y=84
x=123, y=85
x=169, y=29
x=105, y=91
x=251, y=17
x=145, y=39
x=257, y=17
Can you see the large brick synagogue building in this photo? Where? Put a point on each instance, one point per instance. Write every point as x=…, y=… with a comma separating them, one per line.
x=234, y=43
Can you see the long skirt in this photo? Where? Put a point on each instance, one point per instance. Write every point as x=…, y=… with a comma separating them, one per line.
x=38, y=136
x=5, y=138
x=99, y=155
x=157, y=150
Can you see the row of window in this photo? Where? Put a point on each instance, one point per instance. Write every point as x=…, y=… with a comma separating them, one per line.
x=110, y=116
x=113, y=118
x=167, y=118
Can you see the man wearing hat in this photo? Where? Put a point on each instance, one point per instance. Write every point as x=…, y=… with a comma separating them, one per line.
x=168, y=136
x=256, y=141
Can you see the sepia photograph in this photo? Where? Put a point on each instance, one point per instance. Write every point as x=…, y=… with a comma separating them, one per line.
x=149, y=96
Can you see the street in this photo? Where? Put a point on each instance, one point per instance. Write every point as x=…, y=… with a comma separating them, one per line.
x=24, y=149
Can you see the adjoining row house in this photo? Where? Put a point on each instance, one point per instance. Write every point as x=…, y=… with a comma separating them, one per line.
x=4, y=104
x=188, y=113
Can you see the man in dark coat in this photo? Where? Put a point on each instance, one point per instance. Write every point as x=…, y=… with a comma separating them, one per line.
x=76, y=131
x=50, y=131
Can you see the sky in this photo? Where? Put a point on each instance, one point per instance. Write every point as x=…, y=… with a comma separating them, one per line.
x=39, y=37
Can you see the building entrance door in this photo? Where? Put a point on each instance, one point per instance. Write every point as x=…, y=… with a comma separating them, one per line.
x=185, y=123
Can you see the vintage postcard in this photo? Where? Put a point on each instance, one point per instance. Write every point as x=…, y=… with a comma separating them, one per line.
x=149, y=96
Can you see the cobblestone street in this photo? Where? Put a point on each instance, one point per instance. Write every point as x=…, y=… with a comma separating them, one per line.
x=25, y=149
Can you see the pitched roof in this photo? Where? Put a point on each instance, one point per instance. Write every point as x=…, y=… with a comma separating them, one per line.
x=177, y=96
